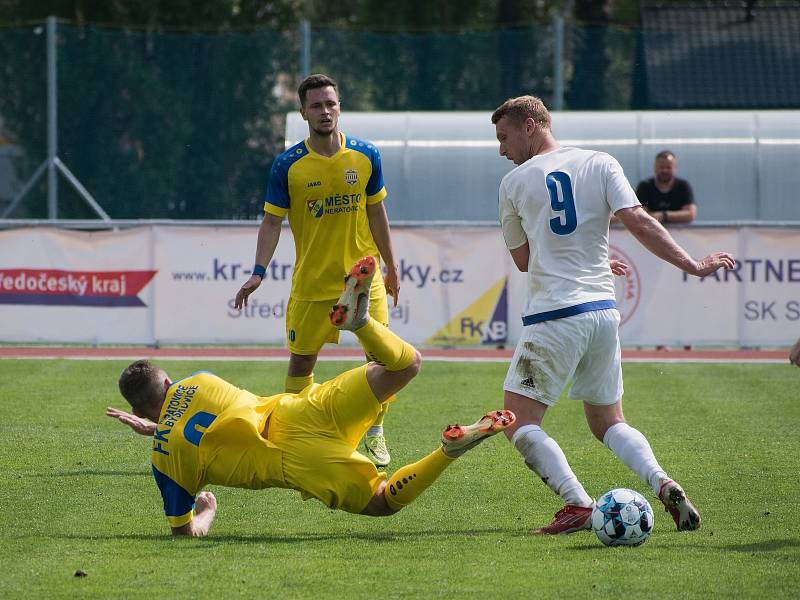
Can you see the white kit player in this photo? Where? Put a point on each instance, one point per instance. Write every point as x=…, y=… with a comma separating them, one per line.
x=555, y=208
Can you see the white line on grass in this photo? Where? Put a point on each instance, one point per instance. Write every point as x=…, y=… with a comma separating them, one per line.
x=452, y=359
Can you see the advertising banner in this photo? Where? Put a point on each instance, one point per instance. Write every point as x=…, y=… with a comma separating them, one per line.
x=200, y=271
x=452, y=287
x=67, y=286
x=458, y=287
x=765, y=287
x=660, y=305
x=755, y=304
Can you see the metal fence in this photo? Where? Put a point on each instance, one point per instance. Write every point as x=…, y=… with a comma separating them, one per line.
x=139, y=124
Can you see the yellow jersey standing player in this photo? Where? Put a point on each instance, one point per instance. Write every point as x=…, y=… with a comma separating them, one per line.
x=331, y=187
x=207, y=431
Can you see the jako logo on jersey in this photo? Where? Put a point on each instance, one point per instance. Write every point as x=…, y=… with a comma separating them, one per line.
x=351, y=177
x=315, y=208
x=627, y=288
x=314, y=184
x=51, y=287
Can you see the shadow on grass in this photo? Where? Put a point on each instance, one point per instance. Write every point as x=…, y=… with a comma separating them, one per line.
x=84, y=472
x=770, y=546
x=377, y=537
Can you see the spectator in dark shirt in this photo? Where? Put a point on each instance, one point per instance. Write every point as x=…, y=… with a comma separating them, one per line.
x=666, y=197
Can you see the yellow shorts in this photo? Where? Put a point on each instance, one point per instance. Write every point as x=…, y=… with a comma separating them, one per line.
x=318, y=431
x=308, y=325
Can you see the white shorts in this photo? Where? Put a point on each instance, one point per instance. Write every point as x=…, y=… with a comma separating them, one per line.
x=584, y=347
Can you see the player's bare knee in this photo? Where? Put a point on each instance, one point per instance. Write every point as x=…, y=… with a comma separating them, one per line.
x=416, y=365
x=301, y=365
x=378, y=506
x=411, y=370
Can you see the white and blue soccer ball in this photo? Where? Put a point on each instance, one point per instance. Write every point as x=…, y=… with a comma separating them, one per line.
x=622, y=517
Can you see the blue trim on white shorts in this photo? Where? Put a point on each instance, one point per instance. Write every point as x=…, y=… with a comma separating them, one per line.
x=569, y=311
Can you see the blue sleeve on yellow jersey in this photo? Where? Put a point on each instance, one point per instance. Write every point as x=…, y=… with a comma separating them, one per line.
x=375, y=183
x=278, y=184
x=192, y=375
x=177, y=501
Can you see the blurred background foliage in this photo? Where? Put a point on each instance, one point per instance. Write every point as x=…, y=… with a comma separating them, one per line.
x=176, y=109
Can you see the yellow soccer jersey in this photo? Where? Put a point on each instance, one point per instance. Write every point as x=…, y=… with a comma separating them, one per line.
x=326, y=200
x=209, y=432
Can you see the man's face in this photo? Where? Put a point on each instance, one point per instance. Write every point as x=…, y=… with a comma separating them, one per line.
x=515, y=139
x=321, y=110
x=665, y=169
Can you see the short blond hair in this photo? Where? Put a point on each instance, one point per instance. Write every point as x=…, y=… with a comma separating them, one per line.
x=523, y=107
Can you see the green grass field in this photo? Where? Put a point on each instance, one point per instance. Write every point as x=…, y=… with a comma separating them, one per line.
x=76, y=493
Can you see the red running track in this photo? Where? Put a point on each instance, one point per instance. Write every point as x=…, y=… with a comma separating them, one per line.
x=449, y=354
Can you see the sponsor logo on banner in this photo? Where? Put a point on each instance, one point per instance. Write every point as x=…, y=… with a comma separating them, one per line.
x=767, y=283
x=755, y=270
x=497, y=331
x=51, y=287
x=351, y=177
x=485, y=321
x=628, y=288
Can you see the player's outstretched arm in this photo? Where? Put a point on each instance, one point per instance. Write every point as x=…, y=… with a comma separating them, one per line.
x=379, y=227
x=652, y=235
x=618, y=267
x=205, y=509
x=140, y=425
x=794, y=354
x=713, y=262
x=269, y=232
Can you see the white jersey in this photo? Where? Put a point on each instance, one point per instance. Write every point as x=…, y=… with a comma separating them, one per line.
x=560, y=203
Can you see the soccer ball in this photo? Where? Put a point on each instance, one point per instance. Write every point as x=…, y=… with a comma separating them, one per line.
x=622, y=517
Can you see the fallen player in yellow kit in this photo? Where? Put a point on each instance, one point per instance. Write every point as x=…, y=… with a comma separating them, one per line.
x=207, y=431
